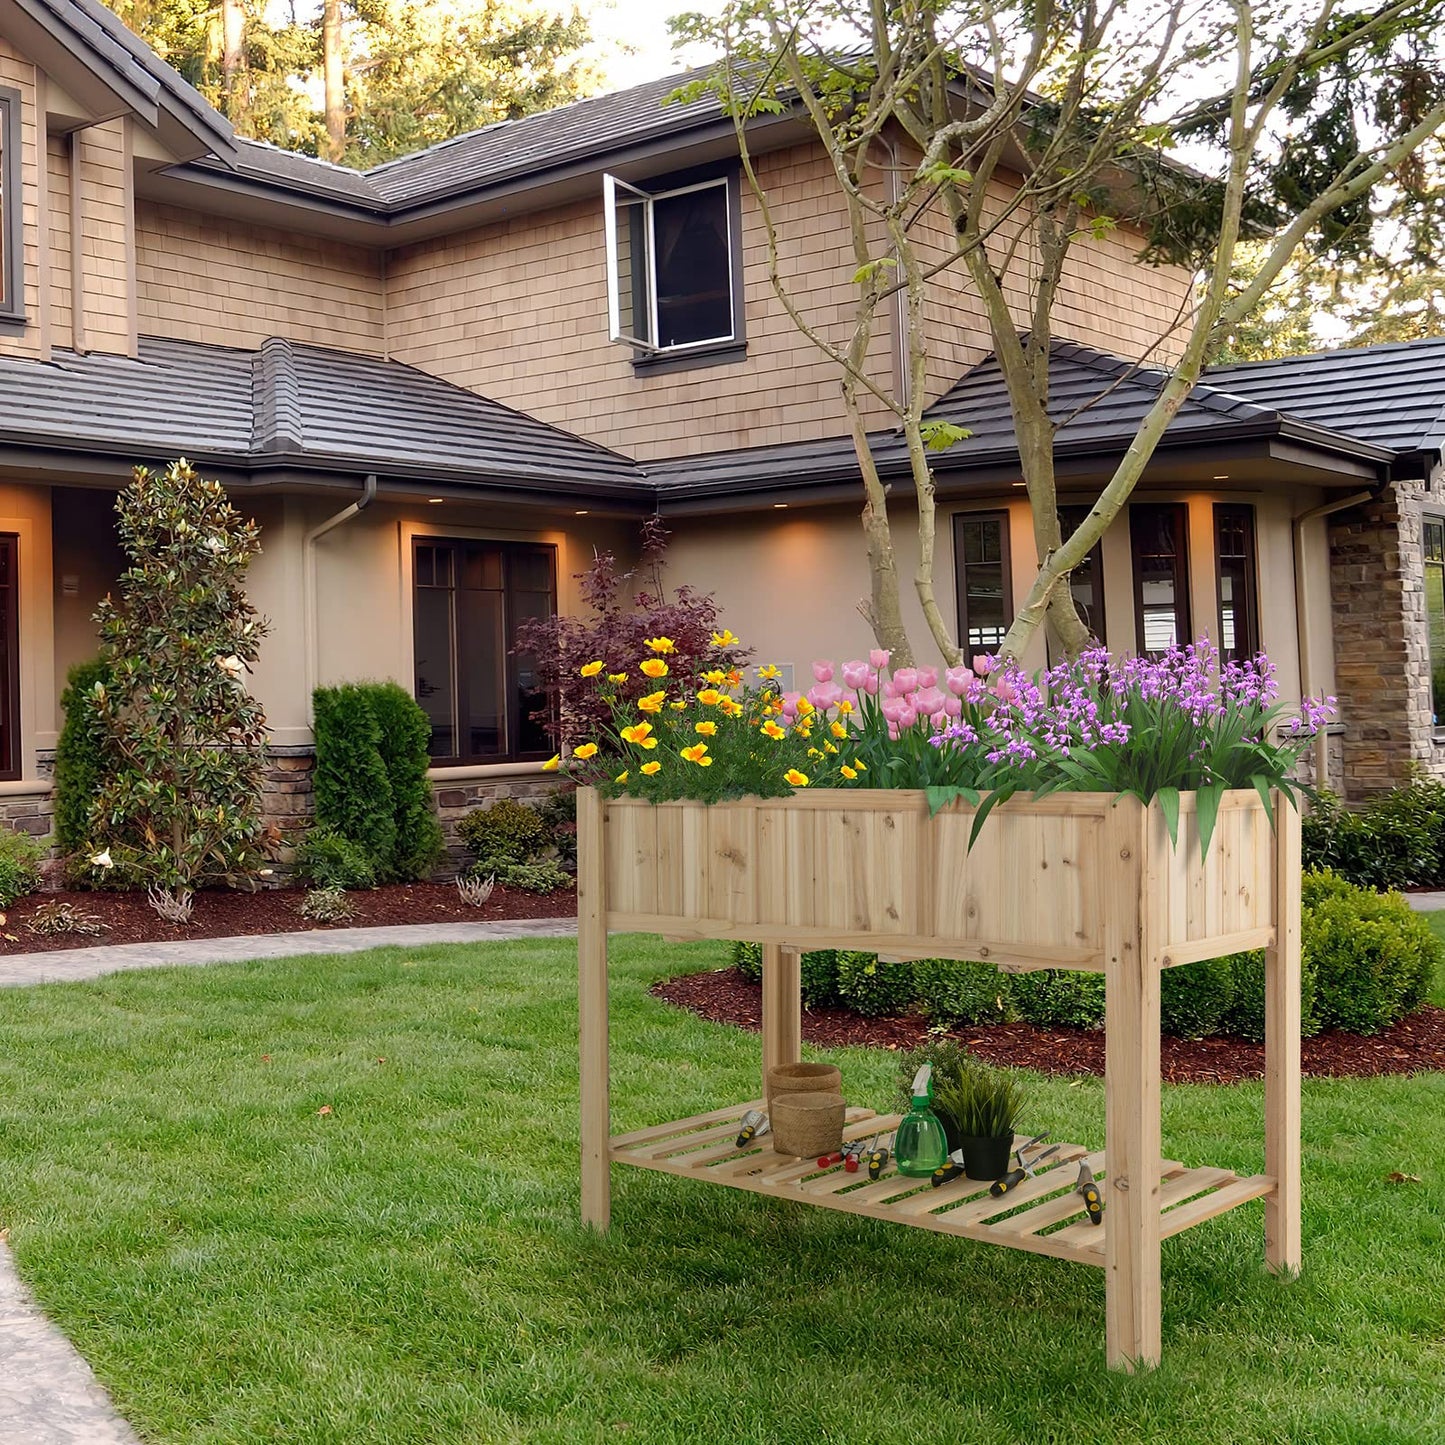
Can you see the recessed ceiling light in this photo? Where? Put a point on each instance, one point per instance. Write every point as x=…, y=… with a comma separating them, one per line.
x=780, y=506
x=1222, y=477
x=582, y=513
x=435, y=500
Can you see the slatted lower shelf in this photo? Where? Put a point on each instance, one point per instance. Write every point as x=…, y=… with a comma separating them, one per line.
x=1043, y=1215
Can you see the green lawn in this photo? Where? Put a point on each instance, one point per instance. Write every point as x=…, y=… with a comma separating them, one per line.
x=408, y=1268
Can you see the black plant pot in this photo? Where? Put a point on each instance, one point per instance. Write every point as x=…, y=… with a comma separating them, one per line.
x=986, y=1158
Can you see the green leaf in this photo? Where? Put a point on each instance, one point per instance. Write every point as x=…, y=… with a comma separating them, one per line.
x=1261, y=786
x=987, y=806
x=1208, y=806
x=938, y=798
x=938, y=436
x=869, y=270
x=1169, y=806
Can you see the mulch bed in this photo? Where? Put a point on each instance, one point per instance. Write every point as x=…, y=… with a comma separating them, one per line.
x=128, y=918
x=1413, y=1045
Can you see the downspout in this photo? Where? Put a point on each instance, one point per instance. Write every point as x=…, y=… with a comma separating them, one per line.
x=1302, y=617
x=310, y=632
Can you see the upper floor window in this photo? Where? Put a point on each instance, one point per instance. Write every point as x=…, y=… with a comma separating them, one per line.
x=11, y=245
x=1235, y=573
x=468, y=598
x=985, y=588
x=673, y=265
x=1159, y=534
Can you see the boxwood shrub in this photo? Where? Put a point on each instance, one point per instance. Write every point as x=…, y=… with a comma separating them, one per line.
x=1059, y=998
x=872, y=987
x=1195, y=998
x=952, y=993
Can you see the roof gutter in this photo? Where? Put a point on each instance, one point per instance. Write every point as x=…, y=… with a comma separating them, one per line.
x=310, y=631
x=1302, y=616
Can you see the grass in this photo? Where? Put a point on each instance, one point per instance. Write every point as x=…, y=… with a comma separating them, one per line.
x=239, y=1267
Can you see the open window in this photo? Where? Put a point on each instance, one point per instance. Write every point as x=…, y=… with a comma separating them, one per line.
x=11, y=244
x=673, y=272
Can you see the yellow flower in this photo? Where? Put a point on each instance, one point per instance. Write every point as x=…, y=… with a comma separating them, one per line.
x=860, y=765
x=770, y=673
x=814, y=753
x=591, y=669
x=772, y=730
x=587, y=750
x=735, y=677
x=716, y=677
x=797, y=779
x=622, y=776
x=698, y=755
x=651, y=768
x=553, y=763
x=638, y=733
x=652, y=702
x=679, y=706
x=729, y=708
x=845, y=707
x=660, y=644
x=848, y=772
x=616, y=677
x=709, y=697
x=707, y=729
x=804, y=707
x=654, y=667
x=805, y=730
x=829, y=748
x=724, y=639
x=839, y=730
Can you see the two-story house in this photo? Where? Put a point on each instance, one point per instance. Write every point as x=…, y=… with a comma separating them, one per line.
x=441, y=383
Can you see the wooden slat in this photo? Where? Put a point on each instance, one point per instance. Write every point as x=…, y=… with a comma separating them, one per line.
x=1207, y=1206
x=1050, y=1181
x=683, y=1126
x=1050, y=1211
x=593, y=1079
x=1218, y=947
x=1282, y=1052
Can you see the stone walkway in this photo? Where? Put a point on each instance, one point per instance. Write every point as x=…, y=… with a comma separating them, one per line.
x=48, y=1395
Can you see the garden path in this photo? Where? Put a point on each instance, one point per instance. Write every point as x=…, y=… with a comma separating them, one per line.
x=48, y=1395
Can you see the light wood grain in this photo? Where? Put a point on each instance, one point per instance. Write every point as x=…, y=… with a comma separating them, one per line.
x=595, y=1106
x=1282, y=1056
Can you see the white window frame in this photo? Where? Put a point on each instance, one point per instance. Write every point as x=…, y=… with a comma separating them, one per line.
x=611, y=187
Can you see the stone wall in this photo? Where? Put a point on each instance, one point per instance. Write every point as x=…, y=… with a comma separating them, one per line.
x=1382, y=654
x=456, y=800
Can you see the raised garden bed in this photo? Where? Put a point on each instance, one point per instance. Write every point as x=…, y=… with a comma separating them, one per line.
x=220, y=913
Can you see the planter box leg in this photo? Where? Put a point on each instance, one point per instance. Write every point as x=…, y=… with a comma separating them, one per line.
x=596, y=1123
x=782, y=1007
x=1132, y=1148
x=1282, y=1054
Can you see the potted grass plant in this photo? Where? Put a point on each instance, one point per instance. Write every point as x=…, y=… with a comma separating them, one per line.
x=984, y=1106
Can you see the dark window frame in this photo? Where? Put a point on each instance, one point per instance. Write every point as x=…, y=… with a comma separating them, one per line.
x=12, y=212
x=1183, y=609
x=1095, y=558
x=513, y=717
x=10, y=760
x=705, y=353
x=960, y=569
x=1428, y=521
x=1251, y=581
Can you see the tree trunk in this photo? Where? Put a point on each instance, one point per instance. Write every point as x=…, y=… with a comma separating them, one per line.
x=233, y=60
x=333, y=65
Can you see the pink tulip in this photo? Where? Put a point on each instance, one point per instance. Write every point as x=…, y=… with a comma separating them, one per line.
x=878, y=657
x=983, y=665
x=958, y=680
x=928, y=677
x=929, y=700
x=870, y=684
x=907, y=717
x=905, y=680
x=823, y=671
x=893, y=732
x=855, y=675
x=892, y=707
x=939, y=721
x=952, y=707
x=1004, y=690
x=825, y=695
x=790, y=704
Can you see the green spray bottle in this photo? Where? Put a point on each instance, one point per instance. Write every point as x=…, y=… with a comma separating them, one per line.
x=920, y=1147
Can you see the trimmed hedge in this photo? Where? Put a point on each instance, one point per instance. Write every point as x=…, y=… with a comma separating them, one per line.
x=20, y=859
x=404, y=735
x=1396, y=840
x=1059, y=998
x=953, y=993
x=1195, y=998
x=819, y=970
x=872, y=987
x=80, y=757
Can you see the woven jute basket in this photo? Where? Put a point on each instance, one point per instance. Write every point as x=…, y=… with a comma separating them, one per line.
x=805, y=1124
x=802, y=1079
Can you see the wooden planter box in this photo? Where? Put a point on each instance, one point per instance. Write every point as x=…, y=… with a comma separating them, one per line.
x=1079, y=881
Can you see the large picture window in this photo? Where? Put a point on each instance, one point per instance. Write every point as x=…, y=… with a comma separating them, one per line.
x=1086, y=581
x=11, y=242
x=985, y=588
x=1235, y=574
x=9, y=656
x=1159, y=535
x=468, y=601
x=1435, y=612
x=672, y=264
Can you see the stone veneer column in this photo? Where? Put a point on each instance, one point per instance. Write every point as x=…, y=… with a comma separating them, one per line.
x=1382, y=656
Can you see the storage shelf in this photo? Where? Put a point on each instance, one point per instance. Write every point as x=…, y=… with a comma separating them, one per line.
x=1042, y=1216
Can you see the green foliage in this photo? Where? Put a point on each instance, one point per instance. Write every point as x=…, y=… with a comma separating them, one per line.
x=60, y=917
x=1195, y=998
x=747, y=958
x=982, y=1102
x=327, y=905
x=558, y=811
x=961, y=993
x=872, y=987
x=20, y=859
x=540, y=875
x=1396, y=840
x=1246, y=1010
x=330, y=860
x=1374, y=958
x=503, y=832
x=352, y=786
x=949, y=1059
x=403, y=736
x=80, y=756
x=819, y=968
x=179, y=802
x=1055, y=998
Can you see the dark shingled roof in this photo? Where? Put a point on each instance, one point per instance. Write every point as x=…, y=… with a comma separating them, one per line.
x=1109, y=396
x=1393, y=395
x=294, y=406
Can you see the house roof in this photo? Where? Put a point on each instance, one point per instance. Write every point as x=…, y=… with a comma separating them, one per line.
x=1097, y=400
x=1392, y=394
x=292, y=407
